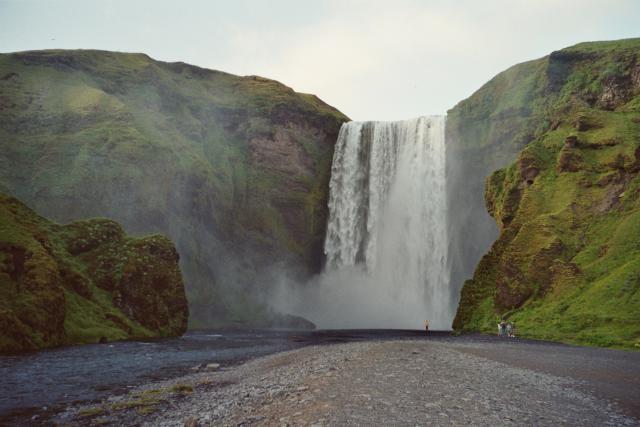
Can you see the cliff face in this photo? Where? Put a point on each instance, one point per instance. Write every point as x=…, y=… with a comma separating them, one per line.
x=484, y=133
x=233, y=169
x=81, y=282
x=566, y=264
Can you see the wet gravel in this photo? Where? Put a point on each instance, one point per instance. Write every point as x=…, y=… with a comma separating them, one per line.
x=408, y=382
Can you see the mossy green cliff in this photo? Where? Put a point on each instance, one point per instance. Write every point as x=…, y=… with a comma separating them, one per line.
x=83, y=282
x=566, y=264
x=233, y=169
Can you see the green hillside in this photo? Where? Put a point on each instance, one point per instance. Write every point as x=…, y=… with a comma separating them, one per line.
x=566, y=265
x=83, y=282
x=233, y=169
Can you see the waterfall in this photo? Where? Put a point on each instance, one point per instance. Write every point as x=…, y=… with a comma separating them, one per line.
x=386, y=242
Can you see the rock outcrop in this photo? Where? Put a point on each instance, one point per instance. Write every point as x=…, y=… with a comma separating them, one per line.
x=566, y=264
x=233, y=169
x=84, y=282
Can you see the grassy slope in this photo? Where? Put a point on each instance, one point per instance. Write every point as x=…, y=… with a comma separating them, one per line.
x=80, y=282
x=229, y=167
x=567, y=263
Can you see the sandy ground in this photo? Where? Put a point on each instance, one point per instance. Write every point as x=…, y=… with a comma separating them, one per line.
x=410, y=382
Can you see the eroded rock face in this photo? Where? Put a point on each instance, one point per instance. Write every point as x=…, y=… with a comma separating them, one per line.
x=83, y=282
x=281, y=152
x=529, y=169
x=570, y=160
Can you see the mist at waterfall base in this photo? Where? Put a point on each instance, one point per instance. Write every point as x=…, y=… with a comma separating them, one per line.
x=386, y=242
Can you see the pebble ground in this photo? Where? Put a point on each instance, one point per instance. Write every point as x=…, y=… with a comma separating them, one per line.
x=403, y=383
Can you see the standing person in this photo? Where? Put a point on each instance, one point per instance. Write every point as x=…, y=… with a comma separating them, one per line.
x=509, y=330
x=500, y=329
x=426, y=326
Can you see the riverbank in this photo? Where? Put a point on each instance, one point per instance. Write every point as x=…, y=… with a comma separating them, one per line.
x=39, y=385
x=408, y=382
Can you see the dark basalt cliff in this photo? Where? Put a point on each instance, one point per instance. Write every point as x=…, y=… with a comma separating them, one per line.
x=566, y=263
x=233, y=169
x=83, y=282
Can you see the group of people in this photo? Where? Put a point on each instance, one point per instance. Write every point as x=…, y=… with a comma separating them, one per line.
x=506, y=329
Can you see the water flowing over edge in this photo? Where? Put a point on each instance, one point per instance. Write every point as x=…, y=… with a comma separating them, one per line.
x=386, y=242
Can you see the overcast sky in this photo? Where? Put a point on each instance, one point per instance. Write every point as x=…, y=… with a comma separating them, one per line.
x=373, y=60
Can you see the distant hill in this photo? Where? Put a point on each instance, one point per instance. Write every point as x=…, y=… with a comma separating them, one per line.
x=233, y=169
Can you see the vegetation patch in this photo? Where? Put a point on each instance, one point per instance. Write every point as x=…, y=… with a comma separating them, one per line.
x=182, y=388
x=91, y=412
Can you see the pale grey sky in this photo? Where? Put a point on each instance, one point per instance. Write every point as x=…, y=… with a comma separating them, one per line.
x=373, y=60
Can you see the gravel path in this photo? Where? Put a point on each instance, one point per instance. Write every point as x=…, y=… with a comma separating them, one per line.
x=366, y=383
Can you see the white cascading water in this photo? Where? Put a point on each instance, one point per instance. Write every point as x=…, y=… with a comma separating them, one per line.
x=386, y=242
